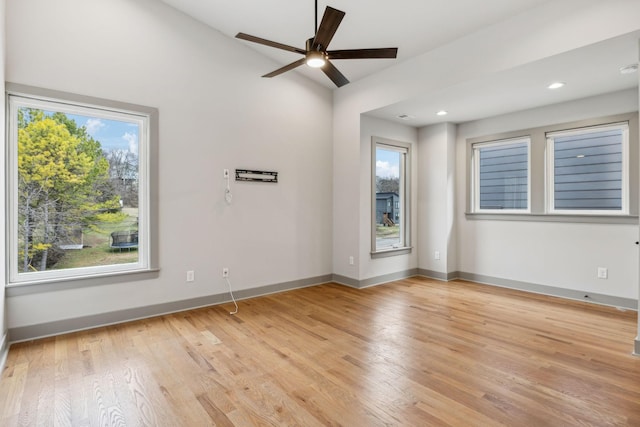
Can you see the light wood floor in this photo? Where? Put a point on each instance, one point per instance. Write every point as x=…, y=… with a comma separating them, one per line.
x=411, y=353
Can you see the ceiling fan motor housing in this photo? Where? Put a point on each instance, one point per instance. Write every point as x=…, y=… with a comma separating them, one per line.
x=309, y=45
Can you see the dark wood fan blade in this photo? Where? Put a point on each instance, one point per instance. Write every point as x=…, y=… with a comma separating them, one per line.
x=291, y=66
x=328, y=27
x=270, y=43
x=336, y=76
x=385, y=52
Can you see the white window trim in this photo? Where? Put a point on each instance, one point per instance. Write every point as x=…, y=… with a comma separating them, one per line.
x=25, y=96
x=475, y=177
x=405, y=202
x=550, y=167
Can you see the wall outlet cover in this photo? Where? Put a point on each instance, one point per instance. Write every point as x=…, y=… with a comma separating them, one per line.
x=603, y=273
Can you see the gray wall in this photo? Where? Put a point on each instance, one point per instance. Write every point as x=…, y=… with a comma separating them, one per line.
x=3, y=320
x=215, y=112
x=370, y=127
x=558, y=254
x=492, y=50
x=436, y=199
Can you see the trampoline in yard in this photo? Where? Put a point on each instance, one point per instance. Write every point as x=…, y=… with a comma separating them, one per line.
x=124, y=239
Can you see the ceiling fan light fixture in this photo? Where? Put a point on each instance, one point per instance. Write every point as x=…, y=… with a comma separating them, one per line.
x=316, y=59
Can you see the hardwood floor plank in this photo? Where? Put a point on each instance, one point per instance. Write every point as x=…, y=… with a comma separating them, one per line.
x=13, y=385
x=414, y=352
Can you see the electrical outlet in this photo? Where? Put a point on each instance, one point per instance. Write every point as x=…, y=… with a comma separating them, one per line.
x=603, y=273
x=436, y=255
x=225, y=272
x=191, y=276
x=351, y=261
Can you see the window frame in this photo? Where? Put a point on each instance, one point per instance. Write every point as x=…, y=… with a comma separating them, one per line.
x=550, y=170
x=405, y=197
x=539, y=211
x=19, y=96
x=475, y=174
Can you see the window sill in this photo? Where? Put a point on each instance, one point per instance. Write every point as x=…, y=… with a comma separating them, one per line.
x=35, y=287
x=592, y=219
x=391, y=252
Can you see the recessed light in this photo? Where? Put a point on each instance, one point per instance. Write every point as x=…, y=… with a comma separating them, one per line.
x=629, y=69
x=556, y=85
x=580, y=156
x=442, y=113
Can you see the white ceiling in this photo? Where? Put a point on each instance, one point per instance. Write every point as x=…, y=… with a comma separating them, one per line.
x=589, y=71
x=416, y=27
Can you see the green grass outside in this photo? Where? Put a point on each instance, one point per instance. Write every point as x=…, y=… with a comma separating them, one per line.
x=97, y=250
x=382, y=231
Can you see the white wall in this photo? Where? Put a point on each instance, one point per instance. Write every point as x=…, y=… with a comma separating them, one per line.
x=436, y=199
x=369, y=127
x=542, y=32
x=3, y=320
x=215, y=112
x=559, y=254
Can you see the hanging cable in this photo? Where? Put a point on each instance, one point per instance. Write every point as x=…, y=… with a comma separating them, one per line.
x=228, y=197
x=232, y=297
x=227, y=191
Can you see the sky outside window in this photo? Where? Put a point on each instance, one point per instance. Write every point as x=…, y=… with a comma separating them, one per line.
x=387, y=163
x=112, y=134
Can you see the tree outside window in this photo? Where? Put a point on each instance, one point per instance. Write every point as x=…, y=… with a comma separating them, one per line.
x=75, y=177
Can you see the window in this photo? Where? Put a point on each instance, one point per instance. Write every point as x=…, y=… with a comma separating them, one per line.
x=588, y=170
x=576, y=172
x=501, y=179
x=390, y=212
x=79, y=184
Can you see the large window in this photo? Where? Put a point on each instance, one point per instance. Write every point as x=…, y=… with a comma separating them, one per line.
x=501, y=176
x=579, y=171
x=390, y=204
x=588, y=170
x=78, y=196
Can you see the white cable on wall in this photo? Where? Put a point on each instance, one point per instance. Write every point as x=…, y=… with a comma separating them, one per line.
x=232, y=297
x=227, y=191
x=228, y=196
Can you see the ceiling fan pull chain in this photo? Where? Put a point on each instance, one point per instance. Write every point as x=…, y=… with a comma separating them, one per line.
x=315, y=29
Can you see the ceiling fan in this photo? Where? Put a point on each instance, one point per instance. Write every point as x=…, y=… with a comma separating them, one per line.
x=316, y=54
